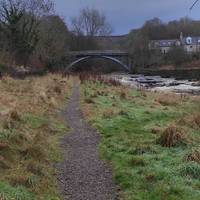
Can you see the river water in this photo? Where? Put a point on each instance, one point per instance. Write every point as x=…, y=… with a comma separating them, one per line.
x=158, y=83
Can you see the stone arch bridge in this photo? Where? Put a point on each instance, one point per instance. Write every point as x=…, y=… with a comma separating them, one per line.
x=117, y=56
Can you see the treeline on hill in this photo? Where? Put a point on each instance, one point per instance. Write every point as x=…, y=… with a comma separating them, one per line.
x=138, y=42
x=33, y=36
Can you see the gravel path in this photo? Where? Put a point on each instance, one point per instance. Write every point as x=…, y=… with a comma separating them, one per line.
x=83, y=176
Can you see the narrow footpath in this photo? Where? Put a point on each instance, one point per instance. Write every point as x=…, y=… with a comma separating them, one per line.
x=82, y=175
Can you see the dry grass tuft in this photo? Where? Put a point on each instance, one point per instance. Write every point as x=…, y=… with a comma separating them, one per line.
x=52, y=102
x=137, y=161
x=156, y=130
x=150, y=177
x=102, y=93
x=35, y=151
x=14, y=115
x=143, y=93
x=89, y=100
x=23, y=179
x=57, y=89
x=171, y=136
x=3, y=146
x=168, y=99
x=197, y=120
x=192, y=120
x=123, y=95
x=194, y=156
x=3, y=163
x=109, y=113
x=35, y=168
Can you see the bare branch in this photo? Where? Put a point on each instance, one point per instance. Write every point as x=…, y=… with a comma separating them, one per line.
x=194, y=4
x=91, y=23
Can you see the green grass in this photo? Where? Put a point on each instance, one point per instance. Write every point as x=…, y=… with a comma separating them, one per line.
x=142, y=168
x=8, y=192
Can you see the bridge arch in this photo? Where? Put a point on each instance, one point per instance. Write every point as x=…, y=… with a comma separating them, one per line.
x=100, y=56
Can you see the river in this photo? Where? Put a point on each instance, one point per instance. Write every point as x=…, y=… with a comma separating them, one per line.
x=158, y=83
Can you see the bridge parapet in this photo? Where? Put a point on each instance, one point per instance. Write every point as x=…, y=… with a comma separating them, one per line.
x=98, y=53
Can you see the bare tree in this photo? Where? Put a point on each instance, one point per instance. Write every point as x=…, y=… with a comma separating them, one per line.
x=19, y=20
x=54, y=42
x=91, y=23
x=194, y=4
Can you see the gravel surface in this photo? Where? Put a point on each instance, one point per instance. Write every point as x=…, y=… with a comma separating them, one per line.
x=82, y=175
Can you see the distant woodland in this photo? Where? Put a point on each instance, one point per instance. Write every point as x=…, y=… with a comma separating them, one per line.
x=32, y=35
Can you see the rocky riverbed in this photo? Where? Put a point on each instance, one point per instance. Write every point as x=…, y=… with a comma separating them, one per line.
x=158, y=83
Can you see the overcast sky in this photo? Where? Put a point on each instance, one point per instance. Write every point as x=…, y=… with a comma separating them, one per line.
x=125, y=15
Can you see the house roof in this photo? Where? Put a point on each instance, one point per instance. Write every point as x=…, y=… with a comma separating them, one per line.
x=164, y=43
x=172, y=42
x=167, y=43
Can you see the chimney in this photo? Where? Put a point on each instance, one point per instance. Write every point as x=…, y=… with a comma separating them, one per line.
x=181, y=37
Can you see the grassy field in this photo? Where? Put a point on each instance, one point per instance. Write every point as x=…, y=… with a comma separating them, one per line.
x=30, y=129
x=150, y=139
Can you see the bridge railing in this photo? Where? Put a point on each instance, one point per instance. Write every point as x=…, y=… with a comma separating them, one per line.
x=98, y=52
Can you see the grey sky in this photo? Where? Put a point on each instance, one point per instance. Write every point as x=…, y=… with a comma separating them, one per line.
x=127, y=14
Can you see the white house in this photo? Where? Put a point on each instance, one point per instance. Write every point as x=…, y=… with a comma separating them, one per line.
x=190, y=44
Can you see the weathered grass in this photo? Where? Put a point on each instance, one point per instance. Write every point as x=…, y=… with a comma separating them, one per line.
x=29, y=133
